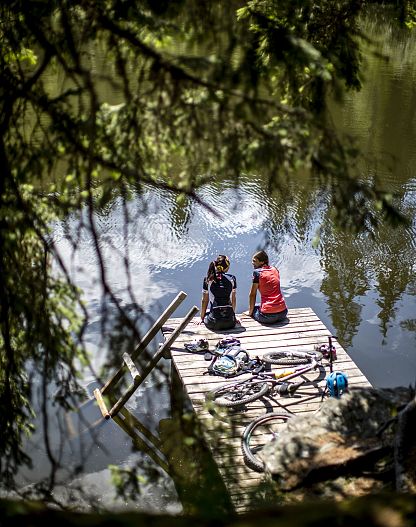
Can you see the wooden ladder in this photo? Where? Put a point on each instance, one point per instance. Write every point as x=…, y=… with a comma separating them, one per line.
x=129, y=359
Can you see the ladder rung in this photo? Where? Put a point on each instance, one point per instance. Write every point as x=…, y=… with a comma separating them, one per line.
x=131, y=366
x=98, y=395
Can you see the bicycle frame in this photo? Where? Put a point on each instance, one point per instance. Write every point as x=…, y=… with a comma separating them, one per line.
x=284, y=376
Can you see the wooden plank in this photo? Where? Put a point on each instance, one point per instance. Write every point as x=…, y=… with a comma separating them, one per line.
x=184, y=359
x=262, y=341
x=199, y=372
x=222, y=428
x=250, y=324
x=293, y=313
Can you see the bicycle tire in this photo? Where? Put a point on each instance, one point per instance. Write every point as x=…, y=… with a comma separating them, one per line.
x=250, y=459
x=291, y=358
x=237, y=393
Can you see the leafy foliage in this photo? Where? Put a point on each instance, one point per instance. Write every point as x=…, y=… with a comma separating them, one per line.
x=242, y=90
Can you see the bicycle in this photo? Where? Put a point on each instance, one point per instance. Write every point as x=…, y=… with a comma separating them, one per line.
x=241, y=392
x=254, y=437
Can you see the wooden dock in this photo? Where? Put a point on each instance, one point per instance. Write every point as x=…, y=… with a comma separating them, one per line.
x=222, y=429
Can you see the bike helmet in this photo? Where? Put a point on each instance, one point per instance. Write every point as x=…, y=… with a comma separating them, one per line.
x=337, y=383
x=222, y=263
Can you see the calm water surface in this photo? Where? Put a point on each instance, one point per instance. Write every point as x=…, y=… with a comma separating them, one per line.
x=362, y=289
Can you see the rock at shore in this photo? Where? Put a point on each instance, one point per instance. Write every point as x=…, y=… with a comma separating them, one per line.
x=363, y=442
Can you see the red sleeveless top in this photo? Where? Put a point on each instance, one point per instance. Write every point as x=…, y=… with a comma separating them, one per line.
x=268, y=278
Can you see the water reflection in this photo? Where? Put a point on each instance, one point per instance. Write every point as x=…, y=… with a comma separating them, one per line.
x=86, y=445
x=363, y=289
x=168, y=246
x=344, y=282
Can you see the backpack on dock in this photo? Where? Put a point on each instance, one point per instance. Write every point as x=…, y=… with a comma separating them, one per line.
x=229, y=358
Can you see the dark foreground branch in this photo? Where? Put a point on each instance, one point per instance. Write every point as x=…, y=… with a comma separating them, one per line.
x=367, y=511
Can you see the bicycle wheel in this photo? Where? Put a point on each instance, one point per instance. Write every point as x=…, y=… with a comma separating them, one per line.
x=257, y=434
x=291, y=357
x=237, y=393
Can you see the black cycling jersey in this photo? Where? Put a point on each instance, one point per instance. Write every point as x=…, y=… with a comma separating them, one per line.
x=220, y=291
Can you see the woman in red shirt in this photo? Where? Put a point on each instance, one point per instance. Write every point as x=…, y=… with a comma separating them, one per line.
x=266, y=279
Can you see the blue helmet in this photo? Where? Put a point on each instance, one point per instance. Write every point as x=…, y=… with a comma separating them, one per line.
x=337, y=383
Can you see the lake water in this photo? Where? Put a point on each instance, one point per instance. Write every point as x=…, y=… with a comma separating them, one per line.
x=362, y=289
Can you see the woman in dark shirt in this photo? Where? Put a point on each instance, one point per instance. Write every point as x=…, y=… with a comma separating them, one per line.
x=219, y=294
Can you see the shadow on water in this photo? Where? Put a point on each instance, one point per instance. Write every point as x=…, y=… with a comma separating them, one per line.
x=180, y=451
x=151, y=456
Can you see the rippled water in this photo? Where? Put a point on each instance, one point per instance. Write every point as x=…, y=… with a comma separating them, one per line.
x=169, y=249
x=363, y=290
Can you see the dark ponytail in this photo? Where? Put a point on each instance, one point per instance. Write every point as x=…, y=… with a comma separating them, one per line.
x=211, y=274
